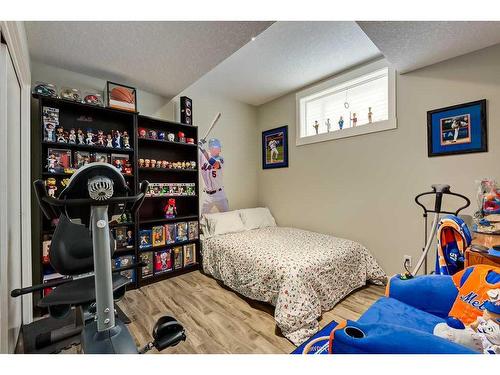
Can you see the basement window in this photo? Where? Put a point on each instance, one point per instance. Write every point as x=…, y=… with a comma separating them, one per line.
x=358, y=102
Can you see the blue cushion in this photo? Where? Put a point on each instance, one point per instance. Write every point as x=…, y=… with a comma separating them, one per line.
x=391, y=311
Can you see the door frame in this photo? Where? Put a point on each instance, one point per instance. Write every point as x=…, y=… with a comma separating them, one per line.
x=14, y=34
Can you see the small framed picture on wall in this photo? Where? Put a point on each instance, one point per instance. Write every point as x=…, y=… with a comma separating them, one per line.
x=275, y=148
x=459, y=129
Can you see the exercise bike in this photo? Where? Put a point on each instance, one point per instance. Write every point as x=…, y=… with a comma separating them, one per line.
x=82, y=251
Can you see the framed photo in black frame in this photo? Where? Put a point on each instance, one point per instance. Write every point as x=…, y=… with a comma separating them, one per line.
x=459, y=129
x=275, y=148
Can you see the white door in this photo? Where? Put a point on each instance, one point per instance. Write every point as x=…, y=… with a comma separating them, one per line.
x=10, y=194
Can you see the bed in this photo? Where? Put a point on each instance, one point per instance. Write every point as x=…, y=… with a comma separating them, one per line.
x=301, y=273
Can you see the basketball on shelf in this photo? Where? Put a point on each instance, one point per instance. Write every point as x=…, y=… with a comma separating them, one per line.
x=121, y=96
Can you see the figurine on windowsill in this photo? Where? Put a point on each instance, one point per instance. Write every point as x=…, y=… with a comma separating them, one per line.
x=354, y=119
x=370, y=115
x=170, y=210
x=341, y=122
x=126, y=140
x=328, y=125
x=316, y=126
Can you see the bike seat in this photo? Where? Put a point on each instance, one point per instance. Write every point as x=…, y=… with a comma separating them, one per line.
x=79, y=292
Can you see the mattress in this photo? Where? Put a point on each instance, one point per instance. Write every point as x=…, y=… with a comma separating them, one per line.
x=301, y=273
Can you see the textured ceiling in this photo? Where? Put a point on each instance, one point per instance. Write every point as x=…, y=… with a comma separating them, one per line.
x=160, y=57
x=412, y=45
x=287, y=56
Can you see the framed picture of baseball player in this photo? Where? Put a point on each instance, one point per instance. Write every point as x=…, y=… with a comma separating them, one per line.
x=458, y=129
x=275, y=148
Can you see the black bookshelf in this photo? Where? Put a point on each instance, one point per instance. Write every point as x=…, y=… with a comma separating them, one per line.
x=73, y=115
x=151, y=212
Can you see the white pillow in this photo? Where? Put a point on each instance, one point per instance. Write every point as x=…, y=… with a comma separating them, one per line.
x=223, y=223
x=255, y=218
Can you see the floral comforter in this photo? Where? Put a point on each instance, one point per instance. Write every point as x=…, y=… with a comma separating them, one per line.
x=301, y=273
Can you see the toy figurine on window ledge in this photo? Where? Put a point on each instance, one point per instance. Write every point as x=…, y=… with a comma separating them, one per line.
x=170, y=210
x=341, y=122
x=370, y=115
x=354, y=119
x=316, y=126
x=328, y=125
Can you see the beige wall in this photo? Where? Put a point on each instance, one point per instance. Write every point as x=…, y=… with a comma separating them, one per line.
x=363, y=187
x=147, y=103
x=236, y=130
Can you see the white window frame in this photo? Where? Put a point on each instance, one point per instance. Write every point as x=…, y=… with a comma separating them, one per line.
x=389, y=124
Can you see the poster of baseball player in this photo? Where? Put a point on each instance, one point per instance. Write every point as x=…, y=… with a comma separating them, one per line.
x=211, y=164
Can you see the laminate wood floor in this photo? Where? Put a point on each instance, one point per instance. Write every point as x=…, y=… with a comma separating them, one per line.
x=218, y=320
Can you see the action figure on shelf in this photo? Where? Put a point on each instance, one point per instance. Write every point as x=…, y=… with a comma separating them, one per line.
x=126, y=139
x=51, y=163
x=316, y=126
x=117, y=139
x=60, y=136
x=109, y=140
x=100, y=138
x=80, y=137
x=328, y=125
x=370, y=115
x=50, y=132
x=72, y=136
x=170, y=210
x=341, y=122
x=354, y=119
x=171, y=137
x=89, y=140
x=119, y=164
x=142, y=133
x=51, y=187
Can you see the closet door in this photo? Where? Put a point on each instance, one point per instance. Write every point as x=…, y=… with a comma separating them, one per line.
x=10, y=191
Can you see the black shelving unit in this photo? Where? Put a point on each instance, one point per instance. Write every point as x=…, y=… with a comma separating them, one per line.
x=73, y=115
x=151, y=212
